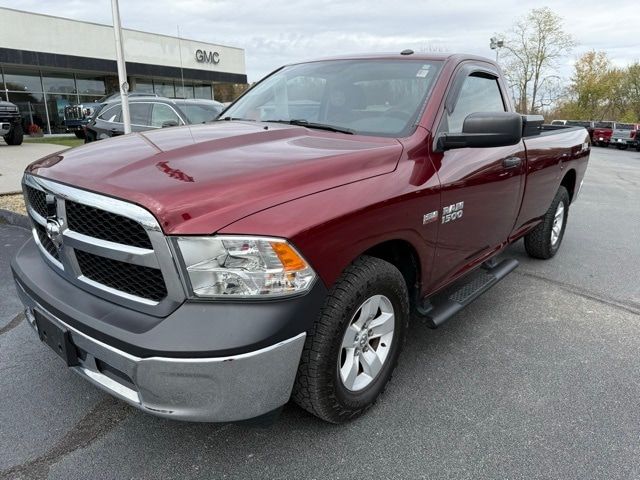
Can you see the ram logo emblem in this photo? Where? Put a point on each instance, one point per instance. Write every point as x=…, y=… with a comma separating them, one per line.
x=452, y=212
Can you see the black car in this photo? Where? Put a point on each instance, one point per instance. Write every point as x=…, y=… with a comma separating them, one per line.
x=148, y=113
x=10, y=123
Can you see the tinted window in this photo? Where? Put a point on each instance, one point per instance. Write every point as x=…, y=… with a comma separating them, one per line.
x=371, y=97
x=624, y=126
x=603, y=125
x=140, y=113
x=111, y=114
x=478, y=94
x=162, y=113
x=200, y=113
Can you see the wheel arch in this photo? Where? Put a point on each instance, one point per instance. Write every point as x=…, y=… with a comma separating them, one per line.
x=405, y=257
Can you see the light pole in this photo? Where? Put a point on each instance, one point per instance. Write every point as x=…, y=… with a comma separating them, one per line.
x=496, y=45
x=122, y=68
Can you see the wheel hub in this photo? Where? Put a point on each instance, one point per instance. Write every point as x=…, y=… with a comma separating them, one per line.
x=366, y=343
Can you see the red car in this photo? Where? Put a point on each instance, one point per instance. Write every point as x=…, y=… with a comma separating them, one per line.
x=212, y=272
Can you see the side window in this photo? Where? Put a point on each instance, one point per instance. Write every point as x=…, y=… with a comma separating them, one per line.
x=111, y=114
x=162, y=113
x=140, y=113
x=478, y=94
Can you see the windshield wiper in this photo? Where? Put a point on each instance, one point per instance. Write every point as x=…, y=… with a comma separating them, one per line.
x=228, y=119
x=319, y=126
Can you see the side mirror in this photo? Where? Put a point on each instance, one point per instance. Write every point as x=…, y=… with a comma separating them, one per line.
x=484, y=129
x=170, y=123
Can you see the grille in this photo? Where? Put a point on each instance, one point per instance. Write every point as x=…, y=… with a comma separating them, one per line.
x=38, y=201
x=133, y=279
x=46, y=241
x=106, y=225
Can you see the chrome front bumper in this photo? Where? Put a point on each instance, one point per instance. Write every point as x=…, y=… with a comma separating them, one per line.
x=219, y=389
x=5, y=128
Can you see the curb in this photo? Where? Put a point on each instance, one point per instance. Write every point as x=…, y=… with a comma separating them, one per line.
x=13, y=218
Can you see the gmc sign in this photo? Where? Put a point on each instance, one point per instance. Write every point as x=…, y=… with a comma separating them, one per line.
x=202, y=56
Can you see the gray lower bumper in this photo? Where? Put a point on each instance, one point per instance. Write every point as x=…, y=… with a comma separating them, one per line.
x=216, y=389
x=4, y=128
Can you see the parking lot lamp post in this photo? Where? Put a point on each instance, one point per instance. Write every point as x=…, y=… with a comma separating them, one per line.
x=496, y=45
x=122, y=68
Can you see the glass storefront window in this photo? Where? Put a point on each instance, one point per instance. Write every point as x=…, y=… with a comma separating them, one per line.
x=59, y=83
x=55, y=105
x=143, y=85
x=203, y=91
x=186, y=92
x=31, y=107
x=164, y=88
x=90, y=85
x=22, y=80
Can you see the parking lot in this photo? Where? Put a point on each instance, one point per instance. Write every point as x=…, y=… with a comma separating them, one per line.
x=539, y=378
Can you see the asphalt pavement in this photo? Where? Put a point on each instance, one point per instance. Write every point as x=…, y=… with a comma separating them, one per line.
x=538, y=379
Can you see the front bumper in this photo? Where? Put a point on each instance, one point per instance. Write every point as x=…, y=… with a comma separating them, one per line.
x=204, y=362
x=5, y=127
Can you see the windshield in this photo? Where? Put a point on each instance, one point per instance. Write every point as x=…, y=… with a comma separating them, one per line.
x=368, y=97
x=200, y=113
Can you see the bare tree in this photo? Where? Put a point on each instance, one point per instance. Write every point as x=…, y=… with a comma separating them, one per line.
x=532, y=49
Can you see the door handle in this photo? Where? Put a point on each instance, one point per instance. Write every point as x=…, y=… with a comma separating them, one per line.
x=511, y=162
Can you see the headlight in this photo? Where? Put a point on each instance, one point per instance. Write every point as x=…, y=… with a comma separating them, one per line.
x=243, y=267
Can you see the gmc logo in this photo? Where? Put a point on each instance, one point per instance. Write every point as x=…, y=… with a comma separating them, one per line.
x=202, y=56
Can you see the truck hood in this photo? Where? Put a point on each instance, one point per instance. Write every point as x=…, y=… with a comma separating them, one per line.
x=199, y=179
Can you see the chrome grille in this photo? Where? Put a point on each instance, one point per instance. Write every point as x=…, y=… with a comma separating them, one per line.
x=37, y=200
x=46, y=242
x=109, y=247
x=106, y=225
x=133, y=279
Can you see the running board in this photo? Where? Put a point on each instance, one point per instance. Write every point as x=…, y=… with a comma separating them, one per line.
x=438, y=312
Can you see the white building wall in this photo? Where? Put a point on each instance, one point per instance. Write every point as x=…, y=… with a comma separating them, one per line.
x=43, y=33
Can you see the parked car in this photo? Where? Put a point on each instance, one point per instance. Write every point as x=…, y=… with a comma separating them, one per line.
x=602, y=132
x=213, y=273
x=625, y=135
x=76, y=117
x=558, y=122
x=148, y=113
x=10, y=123
x=582, y=123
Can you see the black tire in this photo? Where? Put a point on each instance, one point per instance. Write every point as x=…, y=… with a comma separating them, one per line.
x=79, y=134
x=538, y=242
x=318, y=387
x=624, y=147
x=15, y=136
x=619, y=147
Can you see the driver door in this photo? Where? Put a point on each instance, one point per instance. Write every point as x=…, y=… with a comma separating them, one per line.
x=481, y=187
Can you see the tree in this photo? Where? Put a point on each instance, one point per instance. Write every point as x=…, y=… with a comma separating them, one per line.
x=532, y=49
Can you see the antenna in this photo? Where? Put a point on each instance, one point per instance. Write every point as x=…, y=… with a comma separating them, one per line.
x=181, y=70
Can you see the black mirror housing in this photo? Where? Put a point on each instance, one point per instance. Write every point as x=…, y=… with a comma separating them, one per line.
x=484, y=129
x=169, y=123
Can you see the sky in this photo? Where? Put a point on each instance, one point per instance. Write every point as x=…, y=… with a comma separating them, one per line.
x=277, y=32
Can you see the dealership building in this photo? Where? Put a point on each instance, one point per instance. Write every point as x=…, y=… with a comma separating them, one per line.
x=48, y=63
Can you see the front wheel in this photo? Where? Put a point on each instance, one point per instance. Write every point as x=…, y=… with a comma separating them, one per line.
x=352, y=350
x=544, y=240
x=15, y=135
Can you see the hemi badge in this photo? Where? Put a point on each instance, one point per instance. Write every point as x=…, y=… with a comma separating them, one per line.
x=429, y=217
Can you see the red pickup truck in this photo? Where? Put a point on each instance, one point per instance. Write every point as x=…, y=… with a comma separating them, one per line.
x=212, y=272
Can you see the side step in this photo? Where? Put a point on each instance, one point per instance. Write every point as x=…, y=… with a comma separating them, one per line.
x=442, y=309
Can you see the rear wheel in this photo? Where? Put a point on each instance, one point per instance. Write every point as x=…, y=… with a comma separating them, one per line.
x=352, y=350
x=79, y=134
x=15, y=135
x=544, y=240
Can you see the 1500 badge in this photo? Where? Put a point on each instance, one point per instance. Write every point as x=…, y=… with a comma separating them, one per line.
x=452, y=212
